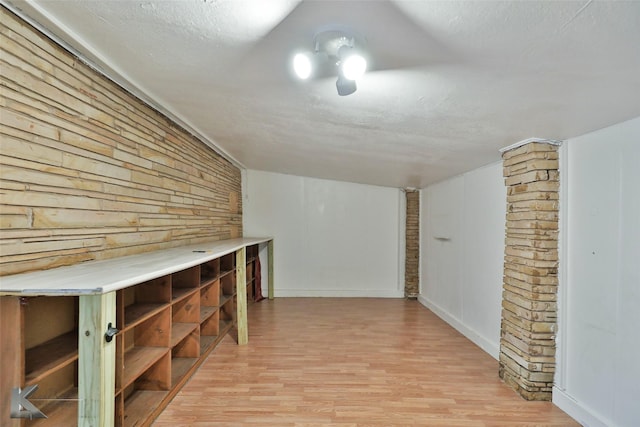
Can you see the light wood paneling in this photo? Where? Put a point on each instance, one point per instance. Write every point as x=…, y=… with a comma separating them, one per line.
x=87, y=171
x=351, y=362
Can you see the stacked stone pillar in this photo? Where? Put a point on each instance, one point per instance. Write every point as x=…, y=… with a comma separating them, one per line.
x=529, y=307
x=412, y=244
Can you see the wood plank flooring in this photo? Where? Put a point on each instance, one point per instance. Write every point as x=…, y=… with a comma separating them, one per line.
x=351, y=362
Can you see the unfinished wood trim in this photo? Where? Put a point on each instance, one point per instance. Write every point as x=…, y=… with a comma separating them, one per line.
x=241, y=294
x=270, y=265
x=11, y=355
x=96, y=366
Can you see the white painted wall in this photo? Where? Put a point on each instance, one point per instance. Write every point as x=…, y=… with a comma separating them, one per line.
x=462, y=242
x=598, y=378
x=330, y=238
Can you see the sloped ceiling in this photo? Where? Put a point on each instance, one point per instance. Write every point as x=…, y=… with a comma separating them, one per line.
x=451, y=81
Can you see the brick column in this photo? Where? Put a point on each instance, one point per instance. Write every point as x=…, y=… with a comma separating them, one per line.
x=528, y=328
x=412, y=244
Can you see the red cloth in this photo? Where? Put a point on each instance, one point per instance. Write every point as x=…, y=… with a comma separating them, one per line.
x=257, y=276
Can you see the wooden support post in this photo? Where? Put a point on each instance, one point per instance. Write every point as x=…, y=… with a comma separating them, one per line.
x=270, y=265
x=241, y=293
x=96, y=364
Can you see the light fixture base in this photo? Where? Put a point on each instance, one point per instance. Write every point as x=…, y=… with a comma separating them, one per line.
x=329, y=41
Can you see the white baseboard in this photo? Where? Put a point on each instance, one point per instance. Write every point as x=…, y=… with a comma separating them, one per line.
x=473, y=336
x=577, y=411
x=337, y=293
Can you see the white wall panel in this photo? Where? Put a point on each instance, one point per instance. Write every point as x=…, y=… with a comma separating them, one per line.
x=273, y=205
x=462, y=243
x=331, y=238
x=600, y=315
x=442, y=245
x=483, y=252
x=627, y=349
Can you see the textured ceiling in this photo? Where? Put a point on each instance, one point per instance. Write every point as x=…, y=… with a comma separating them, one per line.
x=451, y=81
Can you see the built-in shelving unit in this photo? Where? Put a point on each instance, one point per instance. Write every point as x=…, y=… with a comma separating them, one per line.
x=252, y=255
x=167, y=324
x=185, y=322
x=142, y=348
x=50, y=355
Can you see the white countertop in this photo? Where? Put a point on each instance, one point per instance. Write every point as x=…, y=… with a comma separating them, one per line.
x=98, y=277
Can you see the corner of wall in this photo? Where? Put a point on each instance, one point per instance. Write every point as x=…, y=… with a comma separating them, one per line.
x=491, y=348
x=577, y=410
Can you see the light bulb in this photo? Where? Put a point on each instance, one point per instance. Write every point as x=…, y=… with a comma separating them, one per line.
x=302, y=65
x=353, y=67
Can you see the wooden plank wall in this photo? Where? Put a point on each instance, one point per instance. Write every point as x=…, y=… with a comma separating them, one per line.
x=87, y=171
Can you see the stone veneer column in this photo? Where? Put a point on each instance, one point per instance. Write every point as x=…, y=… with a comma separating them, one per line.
x=412, y=244
x=528, y=327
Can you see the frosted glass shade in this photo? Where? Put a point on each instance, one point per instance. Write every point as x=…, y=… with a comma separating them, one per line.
x=353, y=67
x=302, y=66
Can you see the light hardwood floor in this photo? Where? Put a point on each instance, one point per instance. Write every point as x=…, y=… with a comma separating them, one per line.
x=351, y=362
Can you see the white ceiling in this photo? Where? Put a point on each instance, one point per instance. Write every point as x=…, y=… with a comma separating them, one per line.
x=454, y=81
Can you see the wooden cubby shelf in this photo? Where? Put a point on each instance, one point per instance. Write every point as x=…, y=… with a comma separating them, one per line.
x=210, y=294
x=227, y=287
x=138, y=313
x=179, y=331
x=206, y=342
x=227, y=264
x=178, y=294
x=46, y=358
x=227, y=314
x=187, y=309
x=225, y=325
x=252, y=253
x=138, y=360
x=171, y=308
x=209, y=271
x=224, y=299
x=138, y=406
x=180, y=366
x=58, y=412
x=206, y=313
x=211, y=326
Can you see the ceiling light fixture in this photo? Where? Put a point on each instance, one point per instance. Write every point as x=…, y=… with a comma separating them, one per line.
x=342, y=49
